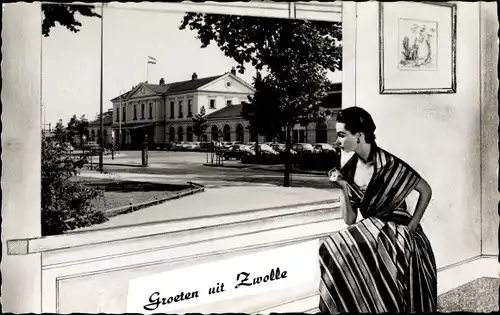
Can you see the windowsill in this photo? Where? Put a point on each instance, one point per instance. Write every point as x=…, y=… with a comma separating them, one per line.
x=188, y=230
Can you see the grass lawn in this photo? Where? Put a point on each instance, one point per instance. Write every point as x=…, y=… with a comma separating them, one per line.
x=123, y=193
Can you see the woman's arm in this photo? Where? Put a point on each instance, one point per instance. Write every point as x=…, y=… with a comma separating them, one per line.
x=349, y=214
x=425, y=194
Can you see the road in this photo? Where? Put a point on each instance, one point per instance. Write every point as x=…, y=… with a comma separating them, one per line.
x=181, y=167
x=226, y=186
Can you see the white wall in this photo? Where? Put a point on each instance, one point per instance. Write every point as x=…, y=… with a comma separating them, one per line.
x=489, y=131
x=439, y=135
x=21, y=156
x=235, y=85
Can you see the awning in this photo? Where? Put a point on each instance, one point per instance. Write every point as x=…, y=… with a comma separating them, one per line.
x=129, y=127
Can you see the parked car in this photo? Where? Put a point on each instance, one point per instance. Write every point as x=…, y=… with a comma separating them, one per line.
x=322, y=147
x=303, y=148
x=237, y=151
x=281, y=147
x=205, y=146
x=265, y=149
x=178, y=146
x=191, y=146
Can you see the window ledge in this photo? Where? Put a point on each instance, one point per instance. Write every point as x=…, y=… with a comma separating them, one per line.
x=180, y=232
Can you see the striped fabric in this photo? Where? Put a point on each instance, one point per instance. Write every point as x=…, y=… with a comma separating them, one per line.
x=375, y=265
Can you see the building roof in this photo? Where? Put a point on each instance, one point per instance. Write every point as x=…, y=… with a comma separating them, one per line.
x=174, y=87
x=107, y=120
x=333, y=100
x=123, y=96
x=229, y=111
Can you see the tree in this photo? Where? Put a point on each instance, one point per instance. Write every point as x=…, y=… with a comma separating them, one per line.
x=200, y=123
x=60, y=131
x=66, y=204
x=72, y=128
x=64, y=14
x=263, y=116
x=295, y=54
x=82, y=128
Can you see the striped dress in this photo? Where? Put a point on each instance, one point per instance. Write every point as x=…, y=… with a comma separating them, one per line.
x=376, y=265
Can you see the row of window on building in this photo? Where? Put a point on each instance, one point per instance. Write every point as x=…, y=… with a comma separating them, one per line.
x=181, y=112
x=143, y=110
x=172, y=110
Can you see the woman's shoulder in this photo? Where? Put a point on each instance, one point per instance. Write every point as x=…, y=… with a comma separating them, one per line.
x=386, y=158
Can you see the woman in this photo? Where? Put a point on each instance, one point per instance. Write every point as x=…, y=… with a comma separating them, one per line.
x=383, y=263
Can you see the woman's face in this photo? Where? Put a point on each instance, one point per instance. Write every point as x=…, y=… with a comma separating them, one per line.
x=345, y=139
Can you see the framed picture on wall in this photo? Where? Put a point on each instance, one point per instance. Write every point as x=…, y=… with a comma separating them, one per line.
x=417, y=47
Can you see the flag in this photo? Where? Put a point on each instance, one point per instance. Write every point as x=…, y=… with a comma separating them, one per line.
x=151, y=60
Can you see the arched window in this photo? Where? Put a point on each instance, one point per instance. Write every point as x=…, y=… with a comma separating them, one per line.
x=227, y=132
x=240, y=133
x=171, y=134
x=302, y=136
x=189, y=133
x=321, y=132
x=215, y=133
x=180, y=133
x=295, y=136
x=93, y=135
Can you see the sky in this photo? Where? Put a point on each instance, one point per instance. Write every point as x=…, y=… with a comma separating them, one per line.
x=71, y=61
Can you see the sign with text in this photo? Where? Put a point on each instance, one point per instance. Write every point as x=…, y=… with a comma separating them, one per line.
x=259, y=273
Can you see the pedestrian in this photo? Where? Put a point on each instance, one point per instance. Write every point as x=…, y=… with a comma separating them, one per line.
x=384, y=262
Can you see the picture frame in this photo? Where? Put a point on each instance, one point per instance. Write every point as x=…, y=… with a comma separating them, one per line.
x=417, y=50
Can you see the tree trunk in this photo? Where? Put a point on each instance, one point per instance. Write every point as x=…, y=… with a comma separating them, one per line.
x=288, y=147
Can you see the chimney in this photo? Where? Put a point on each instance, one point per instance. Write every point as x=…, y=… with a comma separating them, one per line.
x=162, y=81
x=194, y=77
x=233, y=71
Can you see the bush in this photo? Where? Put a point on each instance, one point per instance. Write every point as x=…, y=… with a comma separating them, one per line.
x=66, y=204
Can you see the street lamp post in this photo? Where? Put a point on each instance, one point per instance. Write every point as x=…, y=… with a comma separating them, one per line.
x=83, y=146
x=112, y=144
x=101, y=137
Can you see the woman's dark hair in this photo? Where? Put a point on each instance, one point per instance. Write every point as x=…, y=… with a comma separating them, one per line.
x=356, y=119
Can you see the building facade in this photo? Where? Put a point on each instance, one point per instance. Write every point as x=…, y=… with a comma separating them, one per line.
x=94, y=128
x=164, y=113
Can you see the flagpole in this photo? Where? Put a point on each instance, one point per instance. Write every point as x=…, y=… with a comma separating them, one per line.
x=147, y=70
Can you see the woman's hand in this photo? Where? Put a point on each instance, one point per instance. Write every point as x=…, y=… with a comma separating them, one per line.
x=336, y=177
x=412, y=226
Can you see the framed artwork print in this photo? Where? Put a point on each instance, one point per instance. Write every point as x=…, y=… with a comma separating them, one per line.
x=417, y=47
